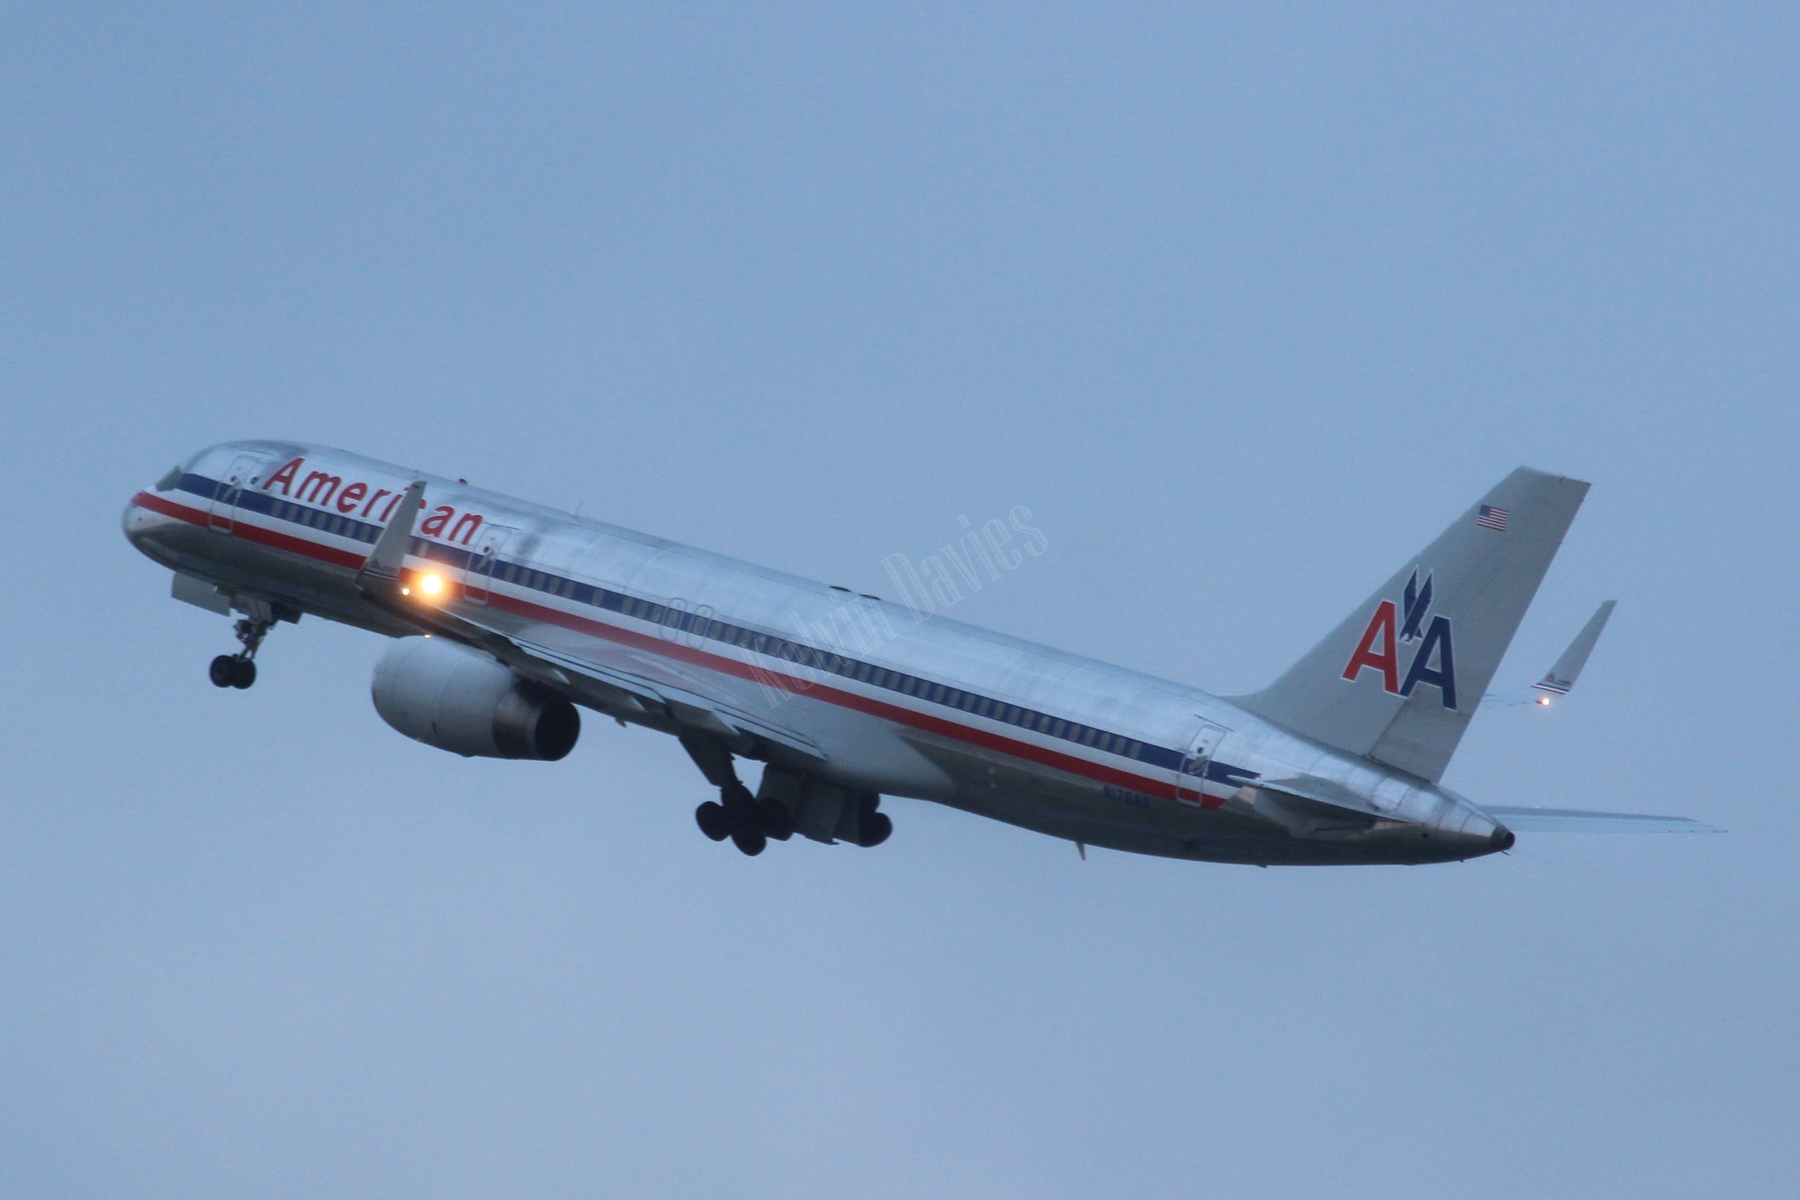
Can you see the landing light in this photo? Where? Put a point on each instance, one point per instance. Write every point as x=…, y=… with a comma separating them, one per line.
x=1543, y=699
x=431, y=585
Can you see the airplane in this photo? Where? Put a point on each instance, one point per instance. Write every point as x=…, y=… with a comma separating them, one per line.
x=507, y=618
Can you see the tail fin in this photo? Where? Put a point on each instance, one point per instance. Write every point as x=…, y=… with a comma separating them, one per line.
x=1400, y=678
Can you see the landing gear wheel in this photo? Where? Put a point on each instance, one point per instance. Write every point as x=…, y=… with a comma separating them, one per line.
x=774, y=819
x=876, y=829
x=239, y=670
x=750, y=841
x=223, y=671
x=713, y=820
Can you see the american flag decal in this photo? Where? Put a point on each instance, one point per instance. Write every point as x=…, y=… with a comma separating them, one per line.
x=1489, y=517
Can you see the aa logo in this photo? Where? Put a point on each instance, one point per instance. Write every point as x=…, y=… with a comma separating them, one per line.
x=1390, y=627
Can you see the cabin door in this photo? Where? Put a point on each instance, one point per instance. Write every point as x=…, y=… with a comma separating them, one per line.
x=223, y=515
x=1190, y=777
x=487, y=556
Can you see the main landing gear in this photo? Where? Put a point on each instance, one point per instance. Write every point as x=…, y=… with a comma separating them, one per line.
x=239, y=670
x=747, y=821
x=788, y=802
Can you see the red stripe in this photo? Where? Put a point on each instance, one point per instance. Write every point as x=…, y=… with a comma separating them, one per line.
x=843, y=699
x=986, y=739
x=254, y=533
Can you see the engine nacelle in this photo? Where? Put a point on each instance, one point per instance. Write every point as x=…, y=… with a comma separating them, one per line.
x=437, y=692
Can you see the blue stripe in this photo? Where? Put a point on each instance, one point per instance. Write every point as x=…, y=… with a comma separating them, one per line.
x=760, y=641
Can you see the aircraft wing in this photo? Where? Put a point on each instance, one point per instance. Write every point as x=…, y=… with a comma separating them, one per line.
x=590, y=671
x=1560, y=679
x=645, y=682
x=618, y=680
x=1575, y=820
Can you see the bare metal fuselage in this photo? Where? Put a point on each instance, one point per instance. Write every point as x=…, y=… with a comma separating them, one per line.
x=874, y=697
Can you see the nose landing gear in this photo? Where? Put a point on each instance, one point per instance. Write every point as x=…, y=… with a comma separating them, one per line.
x=239, y=670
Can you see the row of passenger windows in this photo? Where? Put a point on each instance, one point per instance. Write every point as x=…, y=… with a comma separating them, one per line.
x=544, y=582
x=862, y=672
x=834, y=664
x=324, y=522
x=749, y=639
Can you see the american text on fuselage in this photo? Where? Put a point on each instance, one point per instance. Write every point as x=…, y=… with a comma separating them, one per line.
x=509, y=617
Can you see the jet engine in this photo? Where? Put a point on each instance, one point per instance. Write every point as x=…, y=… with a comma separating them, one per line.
x=445, y=695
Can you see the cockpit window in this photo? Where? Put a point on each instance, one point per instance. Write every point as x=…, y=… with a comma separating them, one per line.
x=168, y=482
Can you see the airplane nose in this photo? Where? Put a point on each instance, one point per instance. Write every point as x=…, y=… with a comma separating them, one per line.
x=134, y=521
x=141, y=526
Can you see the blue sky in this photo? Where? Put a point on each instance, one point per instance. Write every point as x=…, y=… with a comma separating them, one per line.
x=1243, y=303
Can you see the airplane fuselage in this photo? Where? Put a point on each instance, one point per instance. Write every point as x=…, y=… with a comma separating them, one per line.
x=866, y=693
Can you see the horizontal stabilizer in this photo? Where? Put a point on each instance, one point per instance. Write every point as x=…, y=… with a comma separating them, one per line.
x=1575, y=820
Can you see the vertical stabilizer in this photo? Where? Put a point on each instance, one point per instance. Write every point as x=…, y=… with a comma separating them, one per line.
x=1398, y=680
